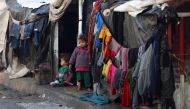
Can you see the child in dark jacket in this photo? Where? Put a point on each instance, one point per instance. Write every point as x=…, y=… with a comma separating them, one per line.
x=80, y=58
x=64, y=75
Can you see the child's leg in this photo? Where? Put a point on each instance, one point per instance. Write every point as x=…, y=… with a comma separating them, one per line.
x=69, y=79
x=79, y=79
x=87, y=79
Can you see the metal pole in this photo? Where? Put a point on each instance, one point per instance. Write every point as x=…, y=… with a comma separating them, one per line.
x=80, y=17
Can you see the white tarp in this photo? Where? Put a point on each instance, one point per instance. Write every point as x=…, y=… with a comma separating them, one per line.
x=4, y=17
x=135, y=7
x=33, y=3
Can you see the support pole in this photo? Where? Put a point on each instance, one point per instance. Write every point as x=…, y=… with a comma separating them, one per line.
x=181, y=51
x=80, y=17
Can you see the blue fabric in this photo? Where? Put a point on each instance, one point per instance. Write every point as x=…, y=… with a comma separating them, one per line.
x=28, y=30
x=14, y=42
x=14, y=31
x=99, y=24
x=99, y=100
x=44, y=9
x=39, y=28
x=155, y=74
x=40, y=25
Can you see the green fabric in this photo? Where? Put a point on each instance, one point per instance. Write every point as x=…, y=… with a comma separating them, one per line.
x=63, y=72
x=85, y=78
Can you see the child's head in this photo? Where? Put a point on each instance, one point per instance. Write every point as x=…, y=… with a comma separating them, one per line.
x=82, y=41
x=64, y=59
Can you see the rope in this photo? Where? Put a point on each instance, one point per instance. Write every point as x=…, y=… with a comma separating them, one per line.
x=180, y=66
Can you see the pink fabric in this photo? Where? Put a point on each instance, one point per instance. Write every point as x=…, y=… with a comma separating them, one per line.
x=111, y=74
x=83, y=69
x=81, y=50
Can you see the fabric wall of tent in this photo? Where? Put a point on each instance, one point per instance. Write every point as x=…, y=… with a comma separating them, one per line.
x=34, y=34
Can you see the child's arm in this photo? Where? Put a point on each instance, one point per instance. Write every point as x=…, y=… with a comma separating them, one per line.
x=73, y=58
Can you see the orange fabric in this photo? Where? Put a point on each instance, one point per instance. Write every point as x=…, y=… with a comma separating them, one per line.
x=106, y=37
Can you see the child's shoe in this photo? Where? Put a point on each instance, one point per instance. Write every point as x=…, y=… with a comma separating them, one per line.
x=54, y=83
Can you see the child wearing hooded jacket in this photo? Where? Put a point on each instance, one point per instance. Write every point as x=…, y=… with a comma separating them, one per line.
x=80, y=59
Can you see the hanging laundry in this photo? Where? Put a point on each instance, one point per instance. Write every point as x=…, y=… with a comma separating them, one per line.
x=117, y=81
x=98, y=26
x=125, y=98
x=144, y=75
x=122, y=56
x=114, y=46
x=111, y=74
x=105, y=36
x=106, y=68
x=132, y=57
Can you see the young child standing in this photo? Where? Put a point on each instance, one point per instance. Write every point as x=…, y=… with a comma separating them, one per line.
x=64, y=75
x=80, y=58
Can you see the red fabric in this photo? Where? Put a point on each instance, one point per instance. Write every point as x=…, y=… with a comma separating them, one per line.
x=107, y=54
x=111, y=74
x=125, y=98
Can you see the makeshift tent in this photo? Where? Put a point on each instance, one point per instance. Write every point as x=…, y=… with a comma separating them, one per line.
x=31, y=34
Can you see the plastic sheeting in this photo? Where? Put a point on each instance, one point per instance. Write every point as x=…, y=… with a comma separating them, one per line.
x=33, y=3
x=4, y=17
x=135, y=7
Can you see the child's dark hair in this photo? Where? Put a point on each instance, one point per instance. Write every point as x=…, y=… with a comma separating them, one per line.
x=65, y=56
x=82, y=37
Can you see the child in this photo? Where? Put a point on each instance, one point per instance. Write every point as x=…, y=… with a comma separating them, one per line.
x=64, y=75
x=80, y=58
